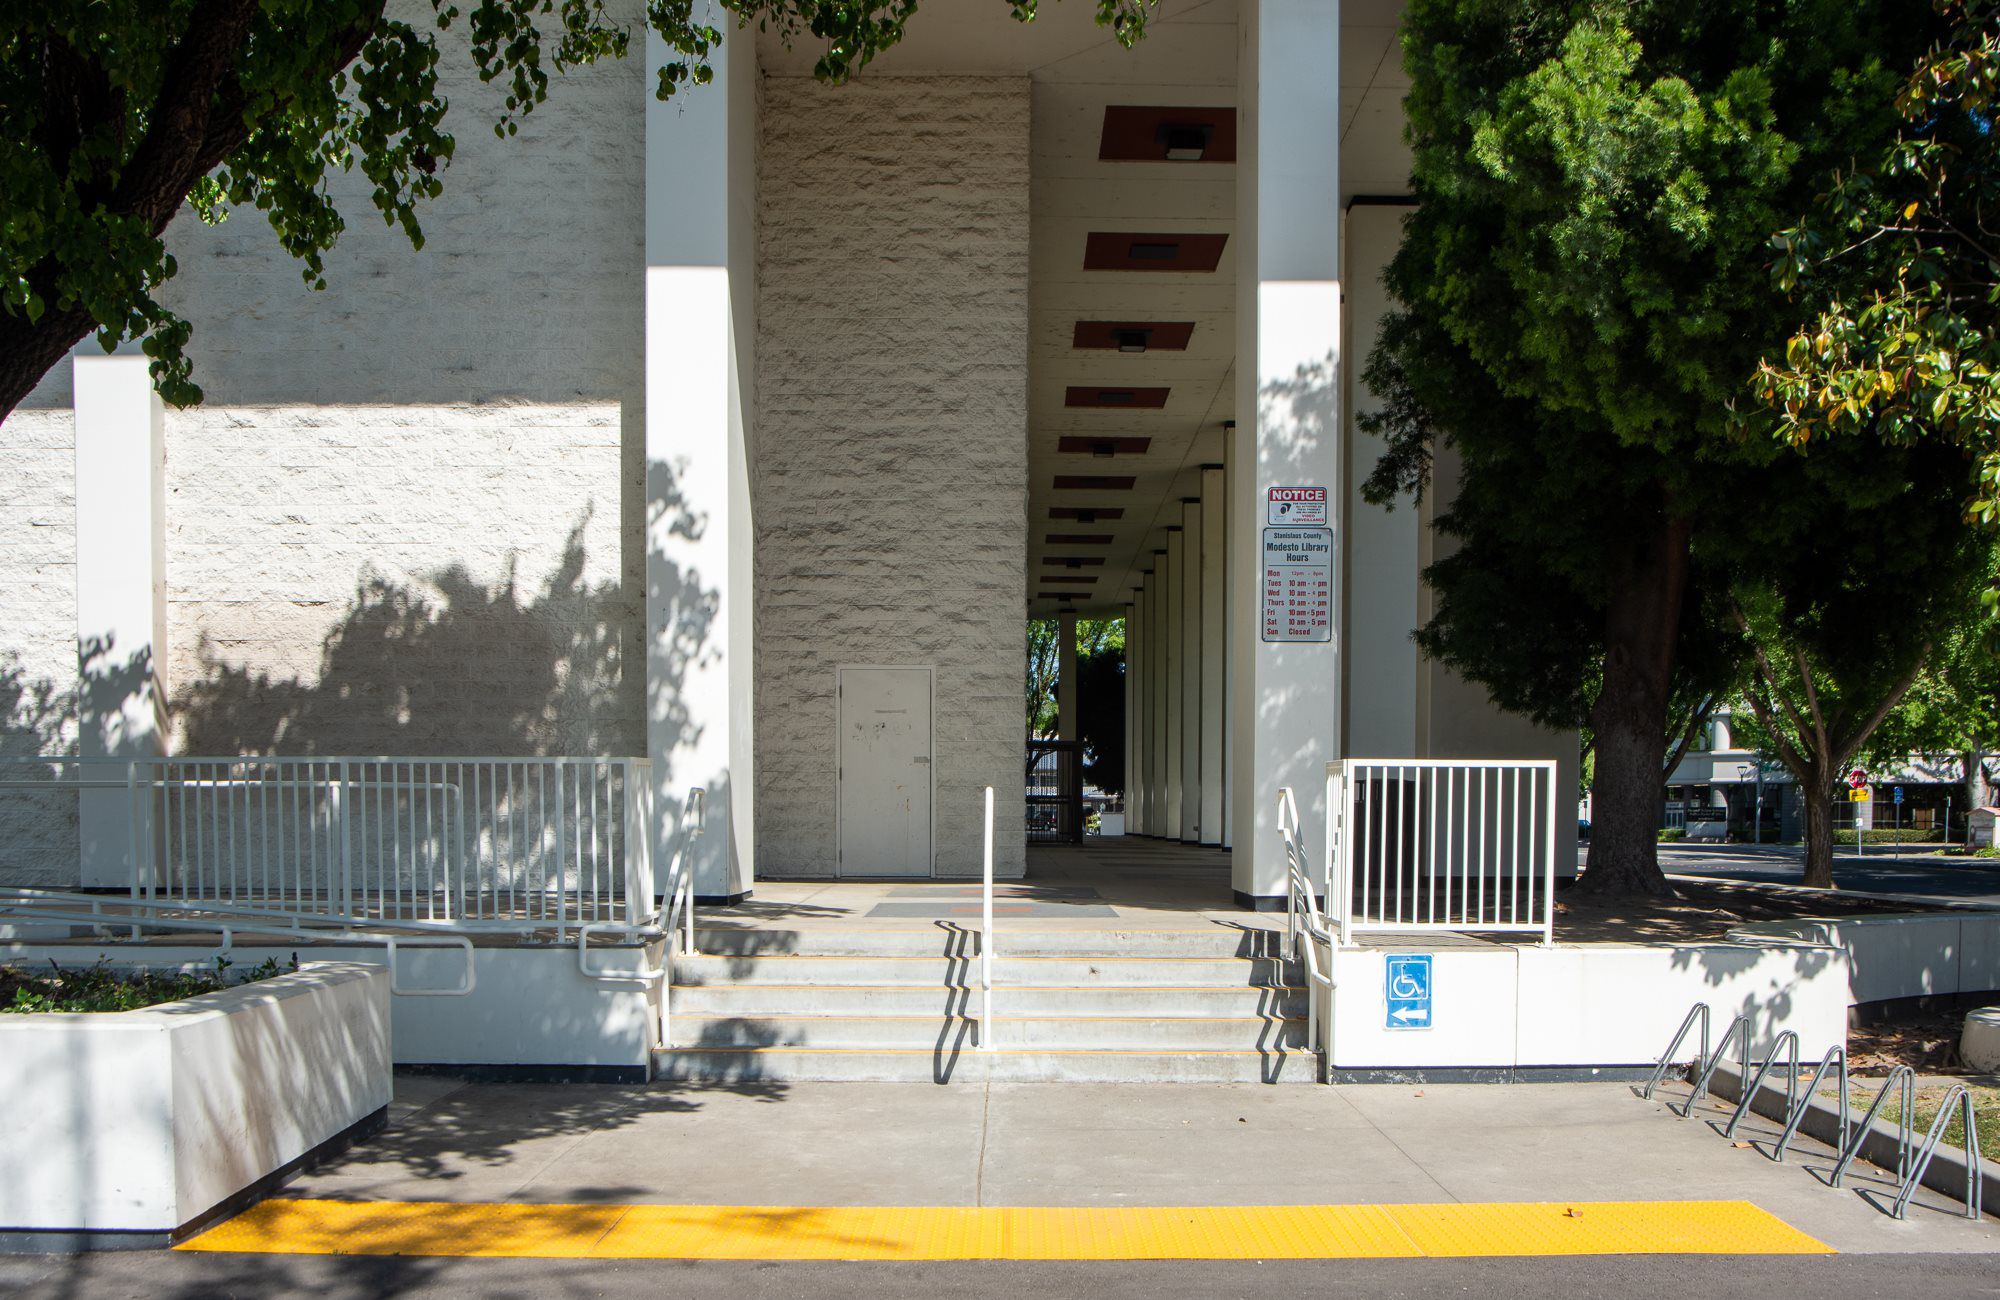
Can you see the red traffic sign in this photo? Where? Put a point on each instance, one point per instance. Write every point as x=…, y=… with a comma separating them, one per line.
x=1857, y=778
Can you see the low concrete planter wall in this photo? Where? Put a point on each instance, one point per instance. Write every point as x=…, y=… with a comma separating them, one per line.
x=1926, y=954
x=128, y=1128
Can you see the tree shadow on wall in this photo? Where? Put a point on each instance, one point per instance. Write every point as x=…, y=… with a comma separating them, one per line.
x=452, y=667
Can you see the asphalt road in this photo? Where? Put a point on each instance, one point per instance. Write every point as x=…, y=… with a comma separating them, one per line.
x=170, y=1276
x=1970, y=880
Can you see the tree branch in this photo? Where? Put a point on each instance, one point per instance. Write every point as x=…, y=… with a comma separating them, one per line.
x=154, y=182
x=1770, y=674
x=1890, y=701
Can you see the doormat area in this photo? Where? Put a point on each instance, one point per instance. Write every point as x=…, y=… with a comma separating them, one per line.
x=1043, y=902
x=973, y=911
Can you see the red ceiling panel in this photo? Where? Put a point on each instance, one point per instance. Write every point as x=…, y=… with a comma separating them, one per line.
x=1095, y=482
x=1105, y=250
x=1143, y=132
x=1111, y=397
x=1103, y=446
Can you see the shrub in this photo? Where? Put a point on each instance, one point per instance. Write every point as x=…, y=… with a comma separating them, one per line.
x=1907, y=835
x=101, y=988
x=1668, y=834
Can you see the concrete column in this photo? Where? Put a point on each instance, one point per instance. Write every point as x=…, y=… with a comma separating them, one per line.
x=1190, y=634
x=1381, y=584
x=1131, y=713
x=700, y=381
x=1066, y=677
x=121, y=606
x=1209, y=777
x=1229, y=567
x=1156, y=727
x=1286, y=695
x=1176, y=600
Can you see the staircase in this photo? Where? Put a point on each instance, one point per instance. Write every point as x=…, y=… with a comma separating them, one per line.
x=1137, y=1006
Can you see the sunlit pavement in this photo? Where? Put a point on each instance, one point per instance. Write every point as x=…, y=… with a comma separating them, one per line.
x=1883, y=871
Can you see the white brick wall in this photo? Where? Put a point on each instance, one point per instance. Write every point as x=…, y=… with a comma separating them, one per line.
x=892, y=439
x=37, y=637
x=406, y=518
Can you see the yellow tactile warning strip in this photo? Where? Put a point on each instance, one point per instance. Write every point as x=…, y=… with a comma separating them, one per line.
x=311, y=1227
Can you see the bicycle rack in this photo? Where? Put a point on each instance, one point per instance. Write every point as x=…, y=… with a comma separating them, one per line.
x=1901, y=1080
x=1697, y=1012
x=1739, y=1028
x=1961, y=1096
x=1797, y=1112
x=1748, y=1085
x=1850, y=1145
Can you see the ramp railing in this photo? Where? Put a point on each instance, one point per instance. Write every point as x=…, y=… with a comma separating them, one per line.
x=469, y=842
x=1452, y=845
x=1305, y=929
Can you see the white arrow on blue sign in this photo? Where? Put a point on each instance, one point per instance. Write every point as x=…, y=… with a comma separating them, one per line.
x=1406, y=987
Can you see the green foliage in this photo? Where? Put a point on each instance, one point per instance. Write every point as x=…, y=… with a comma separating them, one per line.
x=1953, y=709
x=1094, y=636
x=103, y=988
x=1899, y=257
x=1891, y=835
x=118, y=113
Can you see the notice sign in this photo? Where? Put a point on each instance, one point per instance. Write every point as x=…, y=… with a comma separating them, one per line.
x=1300, y=507
x=1298, y=584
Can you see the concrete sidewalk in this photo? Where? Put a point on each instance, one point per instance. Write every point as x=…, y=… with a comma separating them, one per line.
x=860, y=1144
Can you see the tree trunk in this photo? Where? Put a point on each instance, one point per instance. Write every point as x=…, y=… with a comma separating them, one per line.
x=1642, y=623
x=1819, y=831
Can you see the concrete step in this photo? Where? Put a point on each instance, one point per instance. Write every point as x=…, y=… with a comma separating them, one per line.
x=959, y=1062
x=956, y=940
x=962, y=972
x=1077, y=1033
x=759, y=999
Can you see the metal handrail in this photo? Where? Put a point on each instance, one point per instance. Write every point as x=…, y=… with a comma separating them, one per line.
x=984, y=1041
x=1305, y=927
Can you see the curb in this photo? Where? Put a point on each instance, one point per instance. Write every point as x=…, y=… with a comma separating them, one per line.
x=1947, y=1170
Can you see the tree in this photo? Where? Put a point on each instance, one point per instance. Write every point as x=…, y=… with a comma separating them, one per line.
x=1952, y=711
x=1100, y=708
x=1580, y=286
x=1094, y=636
x=1902, y=253
x=115, y=115
x=1837, y=633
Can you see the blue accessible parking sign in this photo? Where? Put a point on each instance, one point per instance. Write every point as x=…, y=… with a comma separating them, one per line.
x=1406, y=986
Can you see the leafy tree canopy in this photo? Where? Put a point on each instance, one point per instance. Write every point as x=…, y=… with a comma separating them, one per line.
x=1901, y=252
x=114, y=115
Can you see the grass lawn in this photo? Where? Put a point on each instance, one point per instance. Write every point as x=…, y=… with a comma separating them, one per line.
x=1985, y=1111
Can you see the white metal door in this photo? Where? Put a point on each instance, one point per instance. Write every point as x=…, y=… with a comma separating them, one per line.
x=885, y=772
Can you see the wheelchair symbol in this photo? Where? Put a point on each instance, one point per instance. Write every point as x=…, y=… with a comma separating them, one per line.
x=1406, y=986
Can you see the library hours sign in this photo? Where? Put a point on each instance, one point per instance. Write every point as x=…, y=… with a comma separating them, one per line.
x=1298, y=584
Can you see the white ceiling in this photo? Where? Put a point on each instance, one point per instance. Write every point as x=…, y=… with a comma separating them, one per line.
x=1188, y=57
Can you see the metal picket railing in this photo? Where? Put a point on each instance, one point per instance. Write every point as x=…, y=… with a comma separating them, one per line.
x=1444, y=845
x=472, y=843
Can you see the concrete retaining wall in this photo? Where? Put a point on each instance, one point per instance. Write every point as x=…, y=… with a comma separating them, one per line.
x=1587, y=1005
x=141, y=1121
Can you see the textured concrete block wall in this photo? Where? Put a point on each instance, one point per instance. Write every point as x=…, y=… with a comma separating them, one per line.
x=892, y=440
x=407, y=518
x=37, y=638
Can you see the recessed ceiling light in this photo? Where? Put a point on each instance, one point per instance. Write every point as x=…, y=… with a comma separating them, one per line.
x=1133, y=340
x=1104, y=450
x=1185, y=141
x=1149, y=252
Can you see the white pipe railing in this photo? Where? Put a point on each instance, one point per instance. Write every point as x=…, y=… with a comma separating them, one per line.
x=985, y=1040
x=1306, y=930
x=1454, y=845
x=468, y=842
